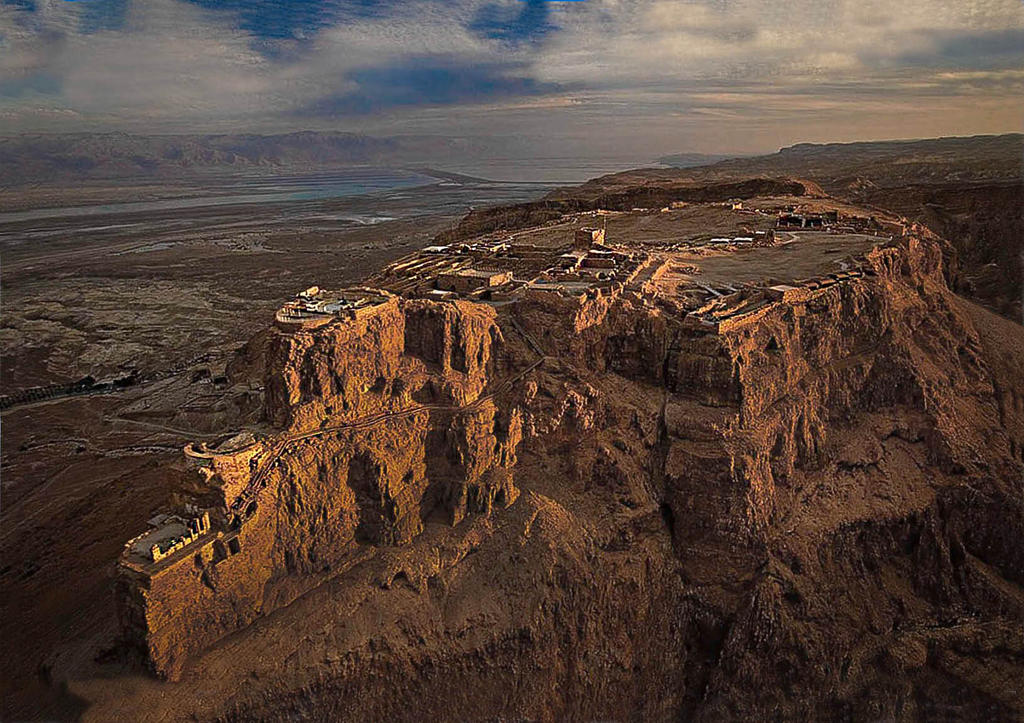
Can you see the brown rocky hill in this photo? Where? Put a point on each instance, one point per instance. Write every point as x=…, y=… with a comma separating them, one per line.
x=968, y=190
x=581, y=507
x=625, y=196
x=891, y=163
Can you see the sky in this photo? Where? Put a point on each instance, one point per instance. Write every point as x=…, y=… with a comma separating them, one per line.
x=561, y=77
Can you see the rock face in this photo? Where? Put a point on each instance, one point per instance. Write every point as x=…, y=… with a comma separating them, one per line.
x=816, y=512
x=984, y=222
x=381, y=422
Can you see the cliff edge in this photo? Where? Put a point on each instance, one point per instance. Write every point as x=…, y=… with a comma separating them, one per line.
x=593, y=479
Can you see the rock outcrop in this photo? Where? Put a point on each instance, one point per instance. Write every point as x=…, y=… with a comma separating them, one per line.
x=378, y=423
x=814, y=512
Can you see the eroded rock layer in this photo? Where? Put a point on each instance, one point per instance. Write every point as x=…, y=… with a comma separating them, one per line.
x=380, y=423
x=584, y=507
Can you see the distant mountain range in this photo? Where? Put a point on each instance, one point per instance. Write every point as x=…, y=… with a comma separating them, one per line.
x=690, y=160
x=881, y=162
x=80, y=156
x=85, y=156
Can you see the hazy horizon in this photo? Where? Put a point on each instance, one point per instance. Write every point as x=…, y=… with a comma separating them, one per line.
x=301, y=130
x=545, y=77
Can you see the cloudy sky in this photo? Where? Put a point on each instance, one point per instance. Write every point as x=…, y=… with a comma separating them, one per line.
x=576, y=76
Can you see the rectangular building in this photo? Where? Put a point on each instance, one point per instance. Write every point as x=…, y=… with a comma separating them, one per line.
x=464, y=281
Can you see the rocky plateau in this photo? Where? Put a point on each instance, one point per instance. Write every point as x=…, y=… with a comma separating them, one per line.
x=580, y=506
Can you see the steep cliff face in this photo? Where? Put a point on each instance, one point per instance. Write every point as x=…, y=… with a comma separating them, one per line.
x=868, y=458
x=383, y=422
x=405, y=351
x=896, y=342
x=984, y=223
x=834, y=475
x=816, y=512
x=335, y=371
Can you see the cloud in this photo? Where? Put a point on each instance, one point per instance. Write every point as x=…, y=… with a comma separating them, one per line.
x=162, y=59
x=420, y=81
x=25, y=5
x=99, y=15
x=29, y=85
x=528, y=22
x=985, y=49
x=273, y=19
x=533, y=68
